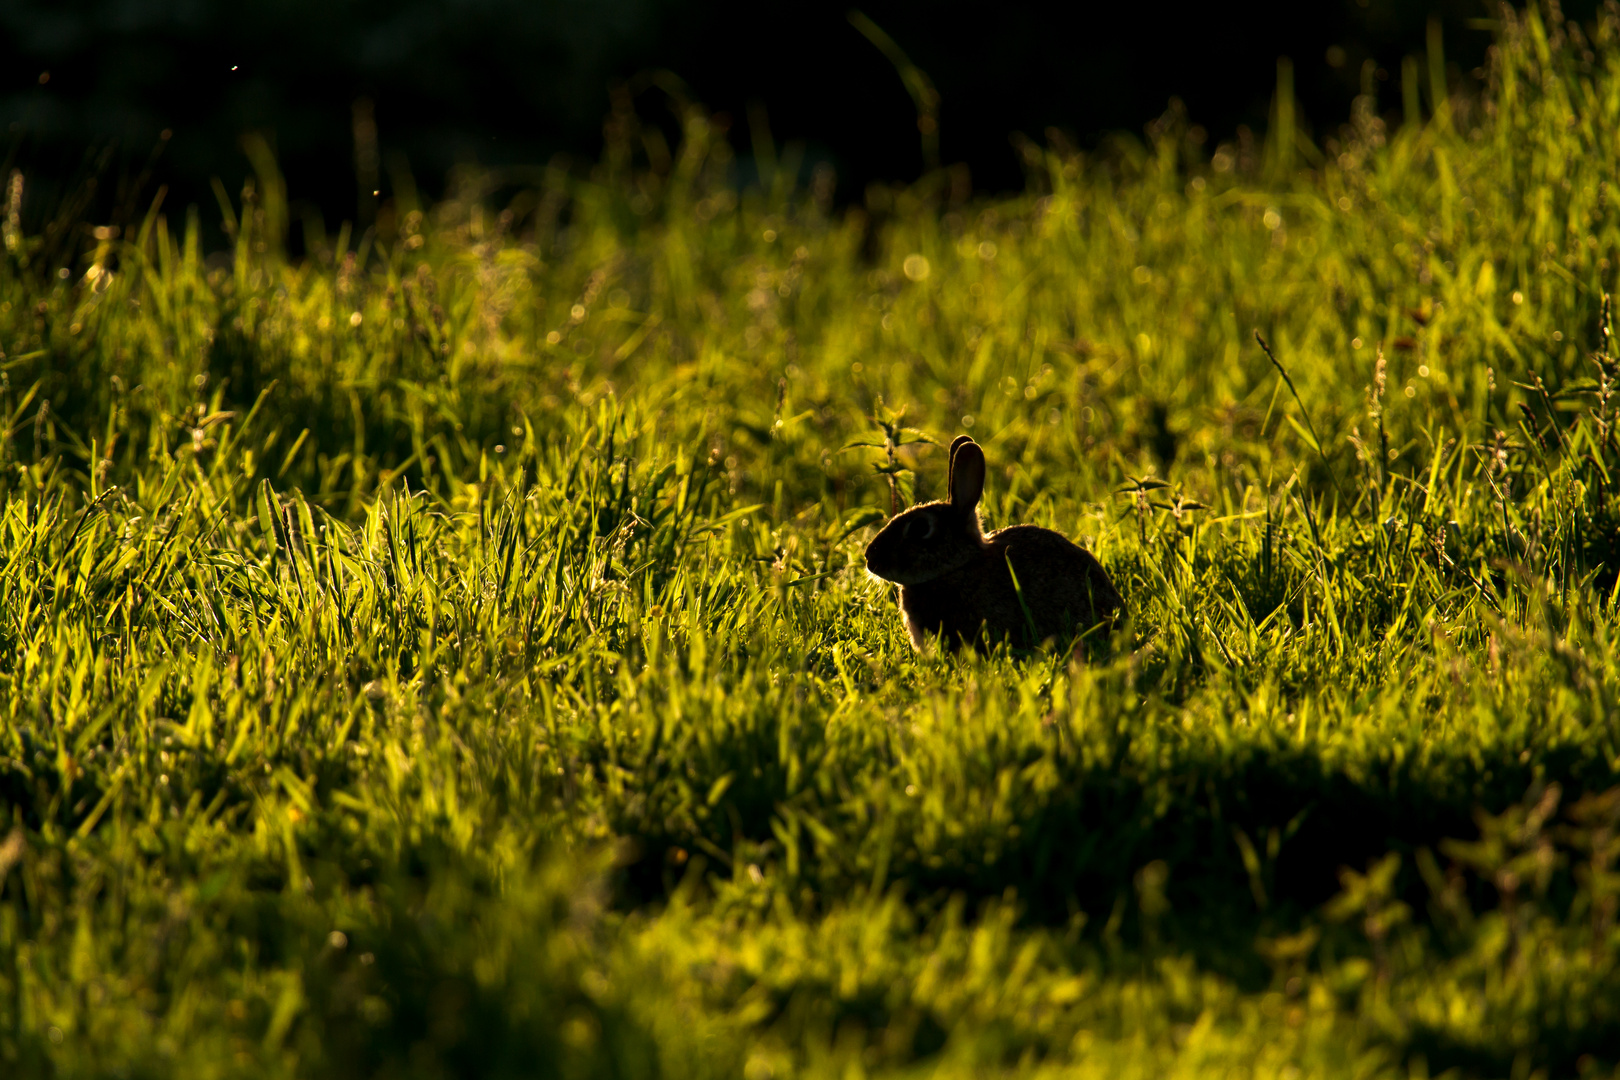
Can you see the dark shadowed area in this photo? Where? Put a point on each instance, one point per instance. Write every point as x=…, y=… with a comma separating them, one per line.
x=91, y=87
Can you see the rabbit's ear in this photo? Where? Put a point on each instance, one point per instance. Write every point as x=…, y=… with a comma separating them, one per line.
x=950, y=468
x=967, y=474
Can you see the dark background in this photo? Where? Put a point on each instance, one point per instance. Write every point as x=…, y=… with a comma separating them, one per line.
x=498, y=82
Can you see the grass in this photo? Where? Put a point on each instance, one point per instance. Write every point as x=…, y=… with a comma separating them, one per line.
x=450, y=654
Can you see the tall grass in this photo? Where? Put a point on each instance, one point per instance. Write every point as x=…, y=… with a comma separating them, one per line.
x=450, y=653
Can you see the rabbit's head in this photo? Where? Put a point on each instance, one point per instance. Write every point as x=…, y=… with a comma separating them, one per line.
x=935, y=538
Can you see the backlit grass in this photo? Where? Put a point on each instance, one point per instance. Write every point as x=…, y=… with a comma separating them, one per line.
x=450, y=654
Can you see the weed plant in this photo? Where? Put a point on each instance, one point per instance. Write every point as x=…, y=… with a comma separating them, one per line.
x=449, y=653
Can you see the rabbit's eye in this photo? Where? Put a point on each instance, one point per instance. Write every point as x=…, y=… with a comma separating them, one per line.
x=920, y=528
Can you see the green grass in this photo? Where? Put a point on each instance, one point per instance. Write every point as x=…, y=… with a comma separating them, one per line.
x=451, y=655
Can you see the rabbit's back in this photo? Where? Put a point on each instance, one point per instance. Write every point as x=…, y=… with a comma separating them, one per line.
x=1063, y=584
x=1061, y=589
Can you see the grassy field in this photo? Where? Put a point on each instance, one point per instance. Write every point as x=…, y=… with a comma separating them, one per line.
x=450, y=654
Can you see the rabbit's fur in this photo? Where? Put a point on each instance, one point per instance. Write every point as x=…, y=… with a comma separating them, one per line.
x=957, y=583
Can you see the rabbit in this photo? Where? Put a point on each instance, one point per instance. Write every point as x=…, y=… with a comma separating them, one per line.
x=959, y=584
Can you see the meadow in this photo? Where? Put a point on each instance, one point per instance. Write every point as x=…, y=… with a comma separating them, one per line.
x=449, y=652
